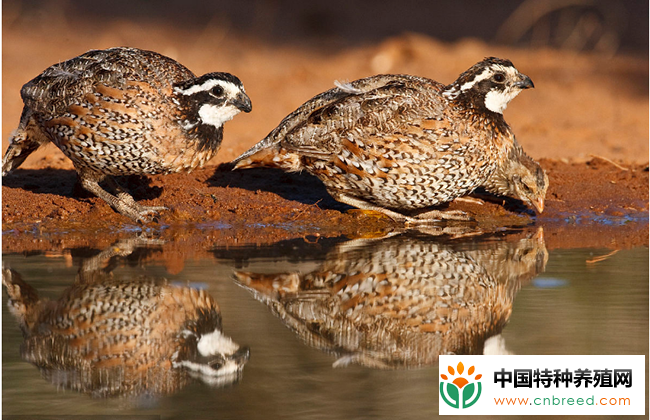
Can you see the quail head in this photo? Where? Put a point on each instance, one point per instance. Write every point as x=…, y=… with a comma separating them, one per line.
x=400, y=144
x=520, y=177
x=125, y=111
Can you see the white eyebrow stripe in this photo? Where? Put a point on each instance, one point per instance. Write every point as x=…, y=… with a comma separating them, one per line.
x=486, y=74
x=228, y=87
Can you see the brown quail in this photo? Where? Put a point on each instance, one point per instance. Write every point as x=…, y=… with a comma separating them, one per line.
x=123, y=337
x=401, y=144
x=402, y=301
x=125, y=111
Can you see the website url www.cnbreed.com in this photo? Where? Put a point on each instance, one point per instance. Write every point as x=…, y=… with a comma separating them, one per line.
x=542, y=384
x=563, y=401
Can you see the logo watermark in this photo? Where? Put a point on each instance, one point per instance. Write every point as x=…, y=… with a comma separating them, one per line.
x=512, y=384
x=460, y=392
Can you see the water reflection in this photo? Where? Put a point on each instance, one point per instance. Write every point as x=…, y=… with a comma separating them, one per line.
x=402, y=301
x=123, y=337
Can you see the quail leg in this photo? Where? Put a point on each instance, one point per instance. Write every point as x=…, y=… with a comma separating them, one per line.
x=364, y=205
x=424, y=218
x=122, y=194
x=123, y=248
x=123, y=203
x=434, y=215
x=471, y=200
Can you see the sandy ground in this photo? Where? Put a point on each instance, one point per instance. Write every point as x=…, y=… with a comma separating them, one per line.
x=586, y=121
x=591, y=204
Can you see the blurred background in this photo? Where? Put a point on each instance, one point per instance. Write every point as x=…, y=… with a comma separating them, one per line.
x=588, y=58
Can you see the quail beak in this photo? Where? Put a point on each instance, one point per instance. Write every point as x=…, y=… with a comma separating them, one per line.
x=525, y=82
x=242, y=102
x=539, y=204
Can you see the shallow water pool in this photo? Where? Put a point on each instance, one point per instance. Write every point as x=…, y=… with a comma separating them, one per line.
x=337, y=328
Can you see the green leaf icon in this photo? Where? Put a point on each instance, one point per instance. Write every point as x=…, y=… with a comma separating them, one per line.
x=452, y=390
x=471, y=393
x=449, y=394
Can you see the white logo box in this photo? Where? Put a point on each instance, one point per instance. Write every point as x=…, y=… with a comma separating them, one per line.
x=615, y=385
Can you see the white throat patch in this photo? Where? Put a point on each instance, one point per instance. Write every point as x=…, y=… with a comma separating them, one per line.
x=216, y=343
x=217, y=115
x=497, y=101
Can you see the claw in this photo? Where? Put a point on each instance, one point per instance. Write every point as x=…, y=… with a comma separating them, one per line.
x=139, y=213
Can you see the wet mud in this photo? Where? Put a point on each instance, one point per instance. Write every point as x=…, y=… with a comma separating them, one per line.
x=590, y=204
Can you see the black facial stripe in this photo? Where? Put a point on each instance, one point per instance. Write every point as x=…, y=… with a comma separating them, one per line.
x=204, y=97
x=208, y=136
x=478, y=69
x=487, y=85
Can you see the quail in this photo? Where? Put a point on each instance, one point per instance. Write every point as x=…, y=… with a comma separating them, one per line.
x=402, y=144
x=402, y=301
x=124, y=337
x=125, y=111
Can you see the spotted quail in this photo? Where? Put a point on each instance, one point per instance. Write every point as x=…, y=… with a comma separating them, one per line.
x=125, y=111
x=402, y=301
x=402, y=144
x=111, y=337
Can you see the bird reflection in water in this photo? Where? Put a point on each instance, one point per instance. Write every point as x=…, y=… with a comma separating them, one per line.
x=123, y=337
x=403, y=301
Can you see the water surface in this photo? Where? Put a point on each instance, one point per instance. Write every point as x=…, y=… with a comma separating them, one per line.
x=349, y=329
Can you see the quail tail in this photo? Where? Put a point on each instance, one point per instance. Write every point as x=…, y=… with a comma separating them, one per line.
x=262, y=148
x=259, y=158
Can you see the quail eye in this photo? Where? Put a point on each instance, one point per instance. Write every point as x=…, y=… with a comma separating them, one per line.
x=499, y=78
x=217, y=91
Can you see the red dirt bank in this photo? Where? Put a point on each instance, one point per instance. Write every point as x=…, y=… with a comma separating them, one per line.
x=592, y=204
